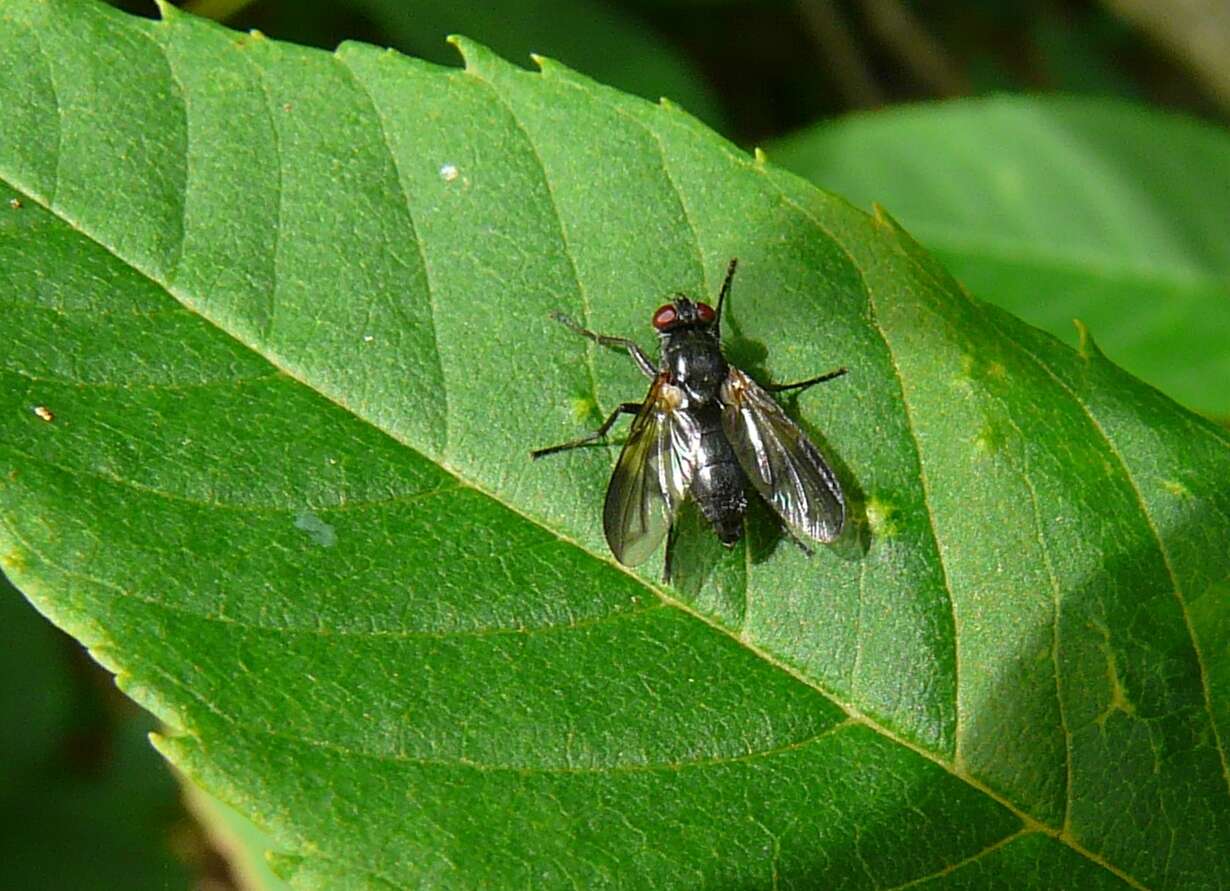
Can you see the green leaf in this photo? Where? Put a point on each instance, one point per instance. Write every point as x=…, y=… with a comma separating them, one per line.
x=287, y=312
x=1059, y=207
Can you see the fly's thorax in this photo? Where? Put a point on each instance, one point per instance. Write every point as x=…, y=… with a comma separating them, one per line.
x=693, y=359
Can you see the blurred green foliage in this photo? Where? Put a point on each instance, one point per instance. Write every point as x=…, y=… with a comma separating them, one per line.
x=85, y=802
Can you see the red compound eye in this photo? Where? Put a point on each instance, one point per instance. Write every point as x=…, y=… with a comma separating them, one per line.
x=705, y=312
x=664, y=317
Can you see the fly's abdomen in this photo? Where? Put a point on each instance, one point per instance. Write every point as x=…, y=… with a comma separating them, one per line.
x=718, y=483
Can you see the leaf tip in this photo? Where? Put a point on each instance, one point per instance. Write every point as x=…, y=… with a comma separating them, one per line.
x=1085, y=345
x=166, y=10
x=177, y=748
x=884, y=219
x=144, y=695
x=473, y=54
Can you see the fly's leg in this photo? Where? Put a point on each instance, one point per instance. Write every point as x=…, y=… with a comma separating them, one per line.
x=807, y=552
x=672, y=533
x=626, y=408
x=725, y=292
x=620, y=343
x=803, y=385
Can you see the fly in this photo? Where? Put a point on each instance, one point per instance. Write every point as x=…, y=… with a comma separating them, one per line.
x=703, y=432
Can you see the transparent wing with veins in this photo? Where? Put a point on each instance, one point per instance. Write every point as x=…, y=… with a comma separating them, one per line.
x=779, y=459
x=653, y=475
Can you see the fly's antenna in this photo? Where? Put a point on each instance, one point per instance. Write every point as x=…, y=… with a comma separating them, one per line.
x=730, y=274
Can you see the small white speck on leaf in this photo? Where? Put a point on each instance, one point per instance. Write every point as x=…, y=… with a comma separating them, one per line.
x=317, y=529
x=44, y=413
x=367, y=338
x=448, y=172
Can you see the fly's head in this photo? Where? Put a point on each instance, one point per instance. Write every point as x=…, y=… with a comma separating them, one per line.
x=691, y=347
x=684, y=314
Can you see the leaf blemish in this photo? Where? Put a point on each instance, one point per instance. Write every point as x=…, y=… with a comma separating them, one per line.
x=448, y=172
x=967, y=365
x=990, y=439
x=584, y=408
x=1176, y=488
x=970, y=368
x=317, y=529
x=881, y=517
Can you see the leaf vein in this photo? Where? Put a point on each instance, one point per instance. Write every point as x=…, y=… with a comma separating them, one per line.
x=1163, y=550
x=664, y=165
x=340, y=506
x=176, y=252
x=526, y=770
x=567, y=250
x=271, y=298
x=973, y=858
x=412, y=235
x=50, y=200
x=873, y=318
x=78, y=384
x=1055, y=623
x=319, y=631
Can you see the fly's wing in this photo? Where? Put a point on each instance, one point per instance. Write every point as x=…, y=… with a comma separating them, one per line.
x=652, y=476
x=780, y=460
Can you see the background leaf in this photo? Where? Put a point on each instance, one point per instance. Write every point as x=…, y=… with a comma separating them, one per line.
x=287, y=312
x=1059, y=207
x=84, y=802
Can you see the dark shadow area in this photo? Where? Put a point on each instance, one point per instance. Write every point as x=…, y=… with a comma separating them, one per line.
x=1129, y=714
x=85, y=801
x=763, y=69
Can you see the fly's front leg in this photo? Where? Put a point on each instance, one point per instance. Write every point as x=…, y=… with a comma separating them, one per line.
x=620, y=343
x=627, y=408
x=803, y=385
